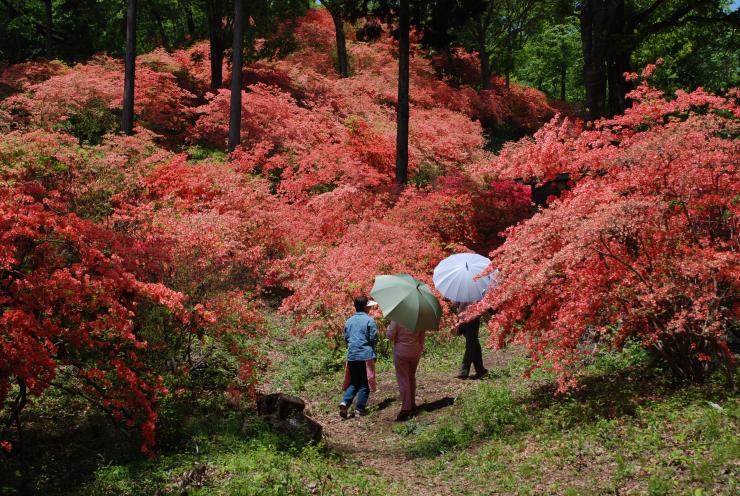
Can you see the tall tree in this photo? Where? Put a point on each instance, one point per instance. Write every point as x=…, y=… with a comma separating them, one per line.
x=498, y=28
x=402, y=106
x=334, y=7
x=49, y=25
x=215, y=14
x=611, y=30
x=342, y=11
x=235, y=108
x=127, y=118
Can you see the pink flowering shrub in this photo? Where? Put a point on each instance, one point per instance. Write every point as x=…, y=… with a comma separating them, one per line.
x=644, y=247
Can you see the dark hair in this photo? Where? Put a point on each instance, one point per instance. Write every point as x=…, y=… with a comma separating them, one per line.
x=360, y=303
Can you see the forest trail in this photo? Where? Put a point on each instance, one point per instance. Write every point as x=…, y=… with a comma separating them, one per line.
x=377, y=442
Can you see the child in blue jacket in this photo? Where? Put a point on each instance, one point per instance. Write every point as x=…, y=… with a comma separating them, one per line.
x=361, y=335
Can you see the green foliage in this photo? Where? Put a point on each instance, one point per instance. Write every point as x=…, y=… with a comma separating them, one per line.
x=488, y=412
x=239, y=458
x=303, y=364
x=198, y=153
x=627, y=426
x=551, y=58
x=90, y=123
x=706, y=55
x=426, y=174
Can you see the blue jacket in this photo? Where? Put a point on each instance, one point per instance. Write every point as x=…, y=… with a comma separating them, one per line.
x=361, y=334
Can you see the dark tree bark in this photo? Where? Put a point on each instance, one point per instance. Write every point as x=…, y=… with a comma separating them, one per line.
x=563, y=79
x=214, y=12
x=235, y=109
x=610, y=35
x=564, y=57
x=402, y=108
x=189, y=21
x=594, y=42
x=49, y=25
x=621, y=46
x=162, y=33
x=617, y=64
x=341, y=44
x=485, y=64
x=127, y=118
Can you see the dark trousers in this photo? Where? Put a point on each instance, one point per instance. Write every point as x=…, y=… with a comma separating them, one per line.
x=358, y=384
x=473, y=353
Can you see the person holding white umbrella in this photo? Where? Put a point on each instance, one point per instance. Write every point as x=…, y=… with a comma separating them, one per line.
x=473, y=352
x=455, y=278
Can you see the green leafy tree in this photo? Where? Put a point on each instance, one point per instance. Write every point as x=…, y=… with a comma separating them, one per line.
x=612, y=30
x=550, y=61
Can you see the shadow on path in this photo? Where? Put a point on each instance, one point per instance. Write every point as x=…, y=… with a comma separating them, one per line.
x=435, y=405
x=383, y=404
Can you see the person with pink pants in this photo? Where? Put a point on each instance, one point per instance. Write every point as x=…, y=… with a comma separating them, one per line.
x=407, y=349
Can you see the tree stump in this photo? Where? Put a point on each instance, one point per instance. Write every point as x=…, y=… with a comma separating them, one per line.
x=286, y=414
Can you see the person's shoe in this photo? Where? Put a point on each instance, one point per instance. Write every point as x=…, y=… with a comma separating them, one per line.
x=463, y=376
x=403, y=415
x=481, y=374
x=343, y=410
x=361, y=413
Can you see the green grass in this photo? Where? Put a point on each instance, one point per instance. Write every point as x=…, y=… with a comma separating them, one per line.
x=489, y=411
x=255, y=462
x=241, y=454
x=627, y=429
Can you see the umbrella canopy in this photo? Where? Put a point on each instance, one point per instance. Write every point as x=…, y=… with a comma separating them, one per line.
x=454, y=277
x=408, y=301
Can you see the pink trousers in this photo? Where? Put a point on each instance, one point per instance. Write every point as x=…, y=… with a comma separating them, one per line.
x=406, y=377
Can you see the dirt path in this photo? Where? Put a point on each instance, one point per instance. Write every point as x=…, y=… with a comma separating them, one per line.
x=372, y=441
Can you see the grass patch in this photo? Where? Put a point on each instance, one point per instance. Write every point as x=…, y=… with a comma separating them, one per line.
x=627, y=429
x=219, y=452
x=490, y=411
x=235, y=462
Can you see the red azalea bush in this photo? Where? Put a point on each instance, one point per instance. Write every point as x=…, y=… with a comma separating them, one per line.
x=325, y=278
x=124, y=261
x=644, y=247
x=220, y=233
x=410, y=234
x=20, y=77
x=70, y=292
x=267, y=114
x=86, y=91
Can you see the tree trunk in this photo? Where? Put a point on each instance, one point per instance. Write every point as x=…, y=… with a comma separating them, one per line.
x=235, y=109
x=564, y=58
x=189, y=21
x=341, y=44
x=49, y=25
x=509, y=60
x=162, y=33
x=563, y=78
x=402, y=108
x=214, y=12
x=127, y=118
x=485, y=64
x=617, y=64
x=594, y=42
x=618, y=57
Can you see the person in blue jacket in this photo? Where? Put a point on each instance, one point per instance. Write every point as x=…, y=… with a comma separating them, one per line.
x=361, y=335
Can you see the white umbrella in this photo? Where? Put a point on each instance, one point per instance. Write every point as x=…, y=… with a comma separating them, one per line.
x=454, y=277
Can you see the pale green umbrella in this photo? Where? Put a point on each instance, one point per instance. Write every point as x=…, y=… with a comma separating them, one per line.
x=408, y=301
